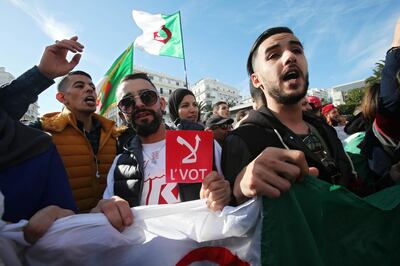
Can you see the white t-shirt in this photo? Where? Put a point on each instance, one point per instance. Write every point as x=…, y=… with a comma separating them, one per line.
x=342, y=135
x=154, y=173
x=155, y=189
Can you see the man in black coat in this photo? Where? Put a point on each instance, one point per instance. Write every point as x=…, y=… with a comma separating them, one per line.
x=278, y=144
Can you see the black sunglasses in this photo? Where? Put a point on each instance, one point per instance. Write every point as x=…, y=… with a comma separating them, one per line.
x=224, y=126
x=127, y=104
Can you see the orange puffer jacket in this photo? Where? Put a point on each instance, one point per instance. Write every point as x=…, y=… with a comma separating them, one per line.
x=87, y=172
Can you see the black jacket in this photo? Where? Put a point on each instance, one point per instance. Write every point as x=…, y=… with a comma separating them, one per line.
x=357, y=124
x=262, y=129
x=128, y=174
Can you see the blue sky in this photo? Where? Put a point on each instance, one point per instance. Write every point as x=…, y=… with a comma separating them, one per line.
x=343, y=39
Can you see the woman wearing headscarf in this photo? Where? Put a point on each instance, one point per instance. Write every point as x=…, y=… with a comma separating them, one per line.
x=184, y=110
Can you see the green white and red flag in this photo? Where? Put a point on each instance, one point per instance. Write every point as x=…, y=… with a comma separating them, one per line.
x=161, y=35
x=107, y=86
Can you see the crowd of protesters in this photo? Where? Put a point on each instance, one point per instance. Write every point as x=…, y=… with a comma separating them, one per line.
x=86, y=164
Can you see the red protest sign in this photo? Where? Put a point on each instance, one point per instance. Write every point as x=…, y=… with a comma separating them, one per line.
x=189, y=155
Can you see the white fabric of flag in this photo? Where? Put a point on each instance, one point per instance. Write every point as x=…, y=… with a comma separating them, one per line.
x=175, y=234
x=162, y=34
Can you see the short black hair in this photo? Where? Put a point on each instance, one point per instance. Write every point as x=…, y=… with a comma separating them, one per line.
x=217, y=104
x=257, y=94
x=263, y=36
x=138, y=75
x=63, y=83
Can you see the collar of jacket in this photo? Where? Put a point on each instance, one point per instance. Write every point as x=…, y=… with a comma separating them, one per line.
x=58, y=121
x=263, y=117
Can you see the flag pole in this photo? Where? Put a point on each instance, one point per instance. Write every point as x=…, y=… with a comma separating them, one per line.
x=183, y=50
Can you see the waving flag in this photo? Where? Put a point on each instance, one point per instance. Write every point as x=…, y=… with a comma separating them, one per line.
x=107, y=86
x=162, y=34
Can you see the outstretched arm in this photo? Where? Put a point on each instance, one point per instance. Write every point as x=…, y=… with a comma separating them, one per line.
x=389, y=96
x=16, y=96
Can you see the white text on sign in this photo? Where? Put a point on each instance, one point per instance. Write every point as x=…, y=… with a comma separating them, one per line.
x=183, y=174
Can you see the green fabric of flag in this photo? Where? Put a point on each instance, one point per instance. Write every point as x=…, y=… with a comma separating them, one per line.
x=108, y=85
x=360, y=162
x=174, y=46
x=314, y=225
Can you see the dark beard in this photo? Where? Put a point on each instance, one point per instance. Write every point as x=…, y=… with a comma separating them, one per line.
x=334, y=123
x=280, y=98
x=147, y=128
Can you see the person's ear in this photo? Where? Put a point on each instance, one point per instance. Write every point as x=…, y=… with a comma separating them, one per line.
x=61, y=97
x=255, y=80
x=163, y=103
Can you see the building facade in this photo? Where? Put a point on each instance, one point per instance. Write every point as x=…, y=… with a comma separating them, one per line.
x=210, y=91
x=338, y=92
x=349, y=86
x=5, y=77
x=322, y=94
x=33, y=110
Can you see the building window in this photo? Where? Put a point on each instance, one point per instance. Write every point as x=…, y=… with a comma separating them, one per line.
x=161, y=90
x=177, y=83
x=170, y=91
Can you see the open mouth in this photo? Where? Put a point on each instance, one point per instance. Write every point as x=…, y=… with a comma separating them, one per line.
x=291, y=74
x=90, y=100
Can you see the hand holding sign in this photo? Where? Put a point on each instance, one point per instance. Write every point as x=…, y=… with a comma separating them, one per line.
x=216, y=190
x=189, y=155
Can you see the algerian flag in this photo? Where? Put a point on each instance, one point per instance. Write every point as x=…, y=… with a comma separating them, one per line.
x=161, y=33
x=107, y=86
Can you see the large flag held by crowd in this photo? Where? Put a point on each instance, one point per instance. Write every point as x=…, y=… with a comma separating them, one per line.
x=315, y=223
x=176, y=234
x=162, y=34
x=108, y=84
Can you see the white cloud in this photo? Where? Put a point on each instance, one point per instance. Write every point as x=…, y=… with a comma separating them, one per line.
x=368, y=46
x=54, y=29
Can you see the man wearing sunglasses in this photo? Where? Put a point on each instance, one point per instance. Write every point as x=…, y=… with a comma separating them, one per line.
x=138, y=174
